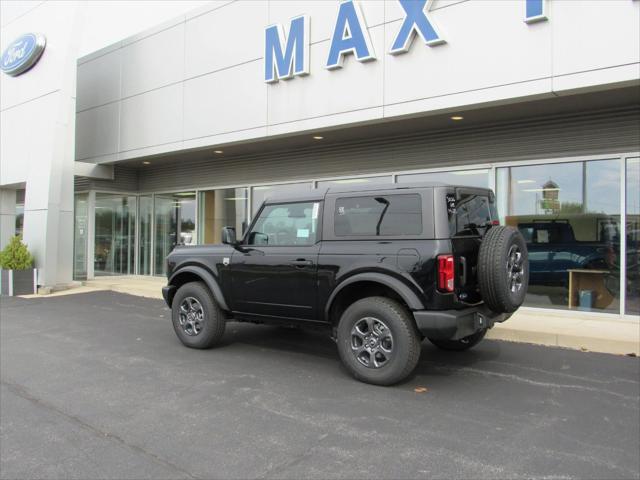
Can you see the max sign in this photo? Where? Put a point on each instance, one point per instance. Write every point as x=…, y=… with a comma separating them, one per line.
x=287, y=55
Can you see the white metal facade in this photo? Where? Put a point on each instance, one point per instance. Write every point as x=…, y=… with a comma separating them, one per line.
x=198, y=81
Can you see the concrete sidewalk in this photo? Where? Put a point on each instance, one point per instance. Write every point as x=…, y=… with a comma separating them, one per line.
x=576, y=330
x=138, y=285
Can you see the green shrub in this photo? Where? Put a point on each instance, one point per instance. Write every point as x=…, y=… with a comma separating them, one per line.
x=15, y=255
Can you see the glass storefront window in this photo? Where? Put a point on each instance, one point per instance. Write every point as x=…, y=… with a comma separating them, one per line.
x=569, y=214
x=468, y=178
x=144, y=234
x=115, y=220
x=80, y=236
x=175, y=223
x=222, y=208
x=258, y=194
x=355, y=181
x=632, y=303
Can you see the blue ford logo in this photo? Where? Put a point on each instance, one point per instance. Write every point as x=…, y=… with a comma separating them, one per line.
x=22, y=54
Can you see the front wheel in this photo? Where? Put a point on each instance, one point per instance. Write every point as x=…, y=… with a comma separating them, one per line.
x=197, y=319
x=377, y=341
x=461, y=344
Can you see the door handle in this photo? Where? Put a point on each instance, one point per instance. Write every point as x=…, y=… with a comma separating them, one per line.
x=301, y=262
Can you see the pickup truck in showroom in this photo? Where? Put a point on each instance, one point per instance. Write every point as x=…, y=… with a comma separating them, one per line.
x=379, y=267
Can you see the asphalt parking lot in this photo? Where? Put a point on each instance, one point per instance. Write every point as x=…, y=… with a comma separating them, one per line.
x=98, y=386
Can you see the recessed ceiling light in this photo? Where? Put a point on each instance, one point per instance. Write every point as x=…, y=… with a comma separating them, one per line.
x=317, y=137
x=218, y=152
x=146, y=163
x=457, y=118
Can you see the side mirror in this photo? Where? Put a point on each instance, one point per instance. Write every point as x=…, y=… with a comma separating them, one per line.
x=258, y=238
x=229, y=236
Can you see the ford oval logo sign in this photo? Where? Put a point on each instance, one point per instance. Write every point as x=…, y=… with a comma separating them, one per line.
x=22, y=54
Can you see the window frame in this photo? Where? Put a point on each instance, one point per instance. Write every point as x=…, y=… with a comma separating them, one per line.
x=426, y=203
x=264, y=205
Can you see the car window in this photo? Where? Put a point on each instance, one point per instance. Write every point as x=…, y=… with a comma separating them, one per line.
x=471, y=212
x=378, y=215
x=286, y=224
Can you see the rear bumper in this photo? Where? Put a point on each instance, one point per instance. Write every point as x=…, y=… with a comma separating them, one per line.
x=168, y=292
x=456, y=324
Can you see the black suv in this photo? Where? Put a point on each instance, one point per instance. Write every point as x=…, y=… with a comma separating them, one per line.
x=379, y=267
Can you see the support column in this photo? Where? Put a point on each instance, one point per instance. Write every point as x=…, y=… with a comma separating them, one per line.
x=48, y=208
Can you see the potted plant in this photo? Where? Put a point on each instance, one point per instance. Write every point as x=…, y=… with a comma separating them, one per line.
x=17, y=275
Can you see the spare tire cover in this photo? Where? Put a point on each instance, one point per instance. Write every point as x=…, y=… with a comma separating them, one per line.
x=503, y=269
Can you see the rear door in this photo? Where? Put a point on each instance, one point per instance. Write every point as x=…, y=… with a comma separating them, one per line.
x=471, y=212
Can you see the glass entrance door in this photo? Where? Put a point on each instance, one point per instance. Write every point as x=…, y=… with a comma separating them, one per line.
x=115, y=220
x=144, y=234
x=80, y=237
x=175, y=223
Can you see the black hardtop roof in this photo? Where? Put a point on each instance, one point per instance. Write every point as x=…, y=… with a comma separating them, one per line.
x=320, y=193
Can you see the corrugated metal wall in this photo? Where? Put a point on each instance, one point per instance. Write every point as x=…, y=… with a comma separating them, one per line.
x=544, y=138
x=125, y=180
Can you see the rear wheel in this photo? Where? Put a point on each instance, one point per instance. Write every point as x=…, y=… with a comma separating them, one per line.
x=503, y=269
x=197, y=319
x=461, y=344
x=377, y=341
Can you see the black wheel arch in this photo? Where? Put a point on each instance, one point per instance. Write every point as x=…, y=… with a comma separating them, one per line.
x=194, y=273
x=375, y=283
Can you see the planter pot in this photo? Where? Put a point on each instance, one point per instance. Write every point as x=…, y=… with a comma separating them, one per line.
x=18, y=282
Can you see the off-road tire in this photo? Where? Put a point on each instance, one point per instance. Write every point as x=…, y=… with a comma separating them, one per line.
x=462, y=344
x=213, y=323
x=405, y=351
x=494, y=275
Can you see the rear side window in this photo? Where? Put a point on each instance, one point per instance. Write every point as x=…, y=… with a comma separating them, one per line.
x=471, y=212
x=378, y=215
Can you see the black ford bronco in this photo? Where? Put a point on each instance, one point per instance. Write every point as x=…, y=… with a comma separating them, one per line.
x=380, y=268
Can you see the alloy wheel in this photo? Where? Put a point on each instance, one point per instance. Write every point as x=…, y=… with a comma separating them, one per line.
x=371, y=342
x=191, y=316
x=515, y=269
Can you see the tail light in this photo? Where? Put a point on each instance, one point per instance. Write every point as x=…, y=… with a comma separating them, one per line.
x=445, y=273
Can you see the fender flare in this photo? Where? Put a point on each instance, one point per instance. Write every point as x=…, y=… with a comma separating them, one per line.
x=207, y=278
x=402, y=289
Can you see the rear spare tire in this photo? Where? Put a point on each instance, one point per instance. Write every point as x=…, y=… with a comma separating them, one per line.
x=503, y=269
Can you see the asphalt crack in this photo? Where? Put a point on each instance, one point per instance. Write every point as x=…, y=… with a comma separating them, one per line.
x=280, y=468
x=23, y=393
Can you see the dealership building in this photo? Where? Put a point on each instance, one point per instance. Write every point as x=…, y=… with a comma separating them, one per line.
x=112, y=157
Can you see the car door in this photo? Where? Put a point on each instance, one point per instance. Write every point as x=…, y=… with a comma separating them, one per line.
x=274, y=272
